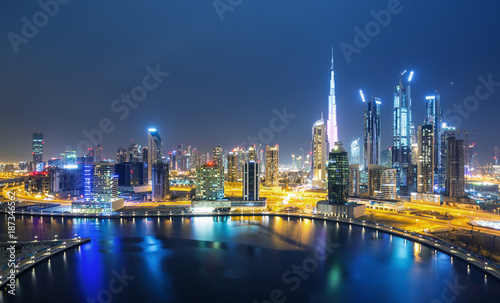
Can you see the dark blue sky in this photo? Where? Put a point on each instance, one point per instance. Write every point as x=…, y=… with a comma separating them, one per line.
x=227, y=76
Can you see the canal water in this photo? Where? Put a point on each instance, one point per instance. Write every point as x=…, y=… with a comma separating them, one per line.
x=240, y=259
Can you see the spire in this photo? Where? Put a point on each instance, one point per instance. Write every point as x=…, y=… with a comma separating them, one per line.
x=332, y=59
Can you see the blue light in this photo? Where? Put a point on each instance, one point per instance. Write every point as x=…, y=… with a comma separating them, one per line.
x=410, y=77
x=430, y=97
x=152, y=129
x=362, y=96
x=87, y=183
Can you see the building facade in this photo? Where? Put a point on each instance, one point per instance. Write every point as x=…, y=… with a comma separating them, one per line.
x=272, y=166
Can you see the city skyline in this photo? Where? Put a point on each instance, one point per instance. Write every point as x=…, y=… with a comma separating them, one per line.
x=298, y=80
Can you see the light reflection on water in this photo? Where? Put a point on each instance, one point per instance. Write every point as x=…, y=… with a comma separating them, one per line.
x=241, y=258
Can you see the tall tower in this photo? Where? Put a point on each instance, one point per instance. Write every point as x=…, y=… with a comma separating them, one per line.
x=251, y=181
x=455, y=167
x=37, y=150
x=332, y=127
x=154, y=150
x=425, y=165
x=401, y=149
x=272, y=166
x=319, y=149
x=355, y=156
x=433, y=115
x=371, y=146
x=338, y=175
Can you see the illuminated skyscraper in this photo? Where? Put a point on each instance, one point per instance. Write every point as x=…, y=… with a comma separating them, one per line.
x=208, y=180
x=338, y=175
x=371, y=146
x=232, y=166
x=252, y=153
x=433, y=116
x=455, y=167
x=251, y=181
x=353, y=180
x=401, y=150
x=154, y=150
x=381, y=182
x=319, y=153
x=37, y=150
x=272, y=166
x=425, y=165
x=332, y=127
x=355, y=156
x=218, y=160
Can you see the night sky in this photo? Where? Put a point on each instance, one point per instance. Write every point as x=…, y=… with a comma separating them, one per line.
x=226, y=77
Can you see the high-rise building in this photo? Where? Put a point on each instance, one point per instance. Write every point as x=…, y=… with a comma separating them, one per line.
x=232, y=166
x=37, y=182
x=433, y=116
x=208, y=180
x=386, y=157
x=100, y=189
x=332, y=127
x=382, y=182
x=69, y=159
x=218, y=160
x=98, y=153
x=353, y=180
x=319, y=153
x=371, y=146
x=425, y=156
x=496, y=156
x=355, y=156
x=446, y=132
x=338, y=175
x=455, y=167
x=131, y=174
x=154, y=150
x=37, y=149
x=401, y=149
x=160, y=184
x=251, y=181
x=272, y=166
x=252, y=153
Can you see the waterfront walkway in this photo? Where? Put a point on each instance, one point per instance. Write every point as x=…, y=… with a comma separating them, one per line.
x=47, y=250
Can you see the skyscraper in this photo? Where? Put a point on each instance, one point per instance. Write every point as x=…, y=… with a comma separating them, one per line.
x=425, y=165
x=455, y=165
x=338, y=175
x=332, y=127
x=496, y=156
x=446, y=132
x=381, y=182
x=371, y=147
x=319, y=152
x=433, y=116
x=272, y=166
x=251, y=181
x=218, y=160
x=160, y=183
x=154, y=150
x=355, y=156
x=232, y=166
x=353, y=180
x=401, y=150
x=98, y=153
x=252, y=153
x=37, y=149
x=208, y=180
